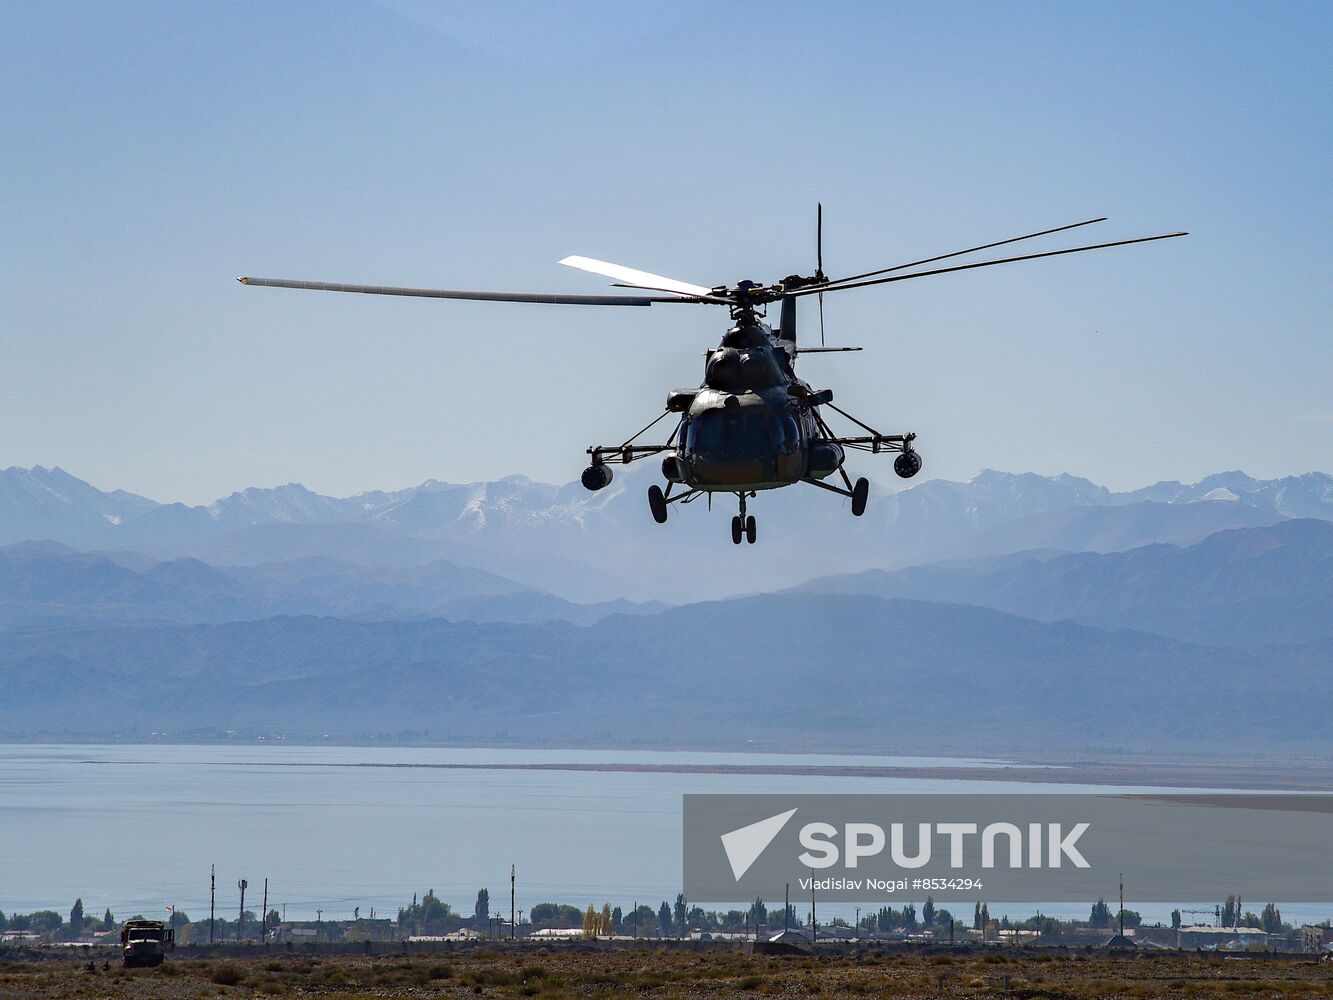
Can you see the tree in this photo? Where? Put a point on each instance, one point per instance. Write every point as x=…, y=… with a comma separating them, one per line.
x=985, y=916
x=44, y=922
x=3, y=922
x=555, y=915
x=976, y=917
x=433, y=911
x=643, y=920
x=1132, y=918
x=76, y=916
x=682, y=918
x=274, y=917
x=616, y=923
x=943, y=918
x=928, y=913
x=758, y=912
x=108, y=921
x=664, y=918
x=482, y=911
x=1175, y=920
x=1229, y=912
x=1271, y=919
x=1100, y=915
x=909, y=917
x=179, y=918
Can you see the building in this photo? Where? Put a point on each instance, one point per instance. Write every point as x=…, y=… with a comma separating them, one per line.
x=1317, y=938
x=559, y=932
x=1222, y=938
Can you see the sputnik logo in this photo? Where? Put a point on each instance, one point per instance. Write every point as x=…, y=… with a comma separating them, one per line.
x=743, y=846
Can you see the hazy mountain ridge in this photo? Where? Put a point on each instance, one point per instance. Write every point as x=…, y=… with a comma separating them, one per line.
x=1245, y=587
x=591, y=546
x=45, y=583
x=396, y=612
x=906, y=674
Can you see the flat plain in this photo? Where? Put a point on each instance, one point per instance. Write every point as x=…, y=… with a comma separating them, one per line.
x=575, y=972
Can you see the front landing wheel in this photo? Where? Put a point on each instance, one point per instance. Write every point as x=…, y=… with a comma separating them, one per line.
x=860, y=494
x=657, y=503
x=737, y=529
x=751, y=530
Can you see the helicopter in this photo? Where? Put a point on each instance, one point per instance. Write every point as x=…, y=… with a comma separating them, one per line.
x=752, y=424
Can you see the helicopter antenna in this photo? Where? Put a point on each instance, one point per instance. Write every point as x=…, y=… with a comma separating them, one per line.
x=845, y=284
x=820, y=276
x=960, y=253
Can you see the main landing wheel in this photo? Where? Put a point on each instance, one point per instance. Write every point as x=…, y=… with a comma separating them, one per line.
x=751, y=531
x=860, y=494
x=657, y=503
x=737, y=529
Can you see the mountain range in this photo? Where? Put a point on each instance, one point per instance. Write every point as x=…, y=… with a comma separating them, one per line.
x=595, y=546
x=1012, y=613
x=1246, y=587
x=816, y=672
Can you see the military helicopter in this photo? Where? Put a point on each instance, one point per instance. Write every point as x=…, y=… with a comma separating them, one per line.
x=753, y=424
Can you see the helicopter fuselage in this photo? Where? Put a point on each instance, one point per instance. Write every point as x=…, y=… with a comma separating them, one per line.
x=748, y=427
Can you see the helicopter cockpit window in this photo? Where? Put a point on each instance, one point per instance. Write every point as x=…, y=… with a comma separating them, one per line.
x=736, y=435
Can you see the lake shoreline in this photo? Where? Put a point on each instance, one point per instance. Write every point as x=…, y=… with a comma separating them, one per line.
x=1229, y=777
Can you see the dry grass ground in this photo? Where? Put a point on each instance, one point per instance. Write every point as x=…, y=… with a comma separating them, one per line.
x=647, y=974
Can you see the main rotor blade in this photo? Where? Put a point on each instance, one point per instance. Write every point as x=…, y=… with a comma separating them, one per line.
x=448, y=293
x=717, y=300
x=959, y=253
x=634, y=277
x=819, y=289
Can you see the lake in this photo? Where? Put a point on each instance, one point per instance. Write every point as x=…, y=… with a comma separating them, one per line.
x=136, y=827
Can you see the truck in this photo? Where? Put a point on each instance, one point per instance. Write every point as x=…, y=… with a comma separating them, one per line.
x=146, y=942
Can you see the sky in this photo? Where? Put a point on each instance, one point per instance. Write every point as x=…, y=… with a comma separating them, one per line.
x=153, y=152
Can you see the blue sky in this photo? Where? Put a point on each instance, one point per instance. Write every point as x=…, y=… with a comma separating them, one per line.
x=154, y=152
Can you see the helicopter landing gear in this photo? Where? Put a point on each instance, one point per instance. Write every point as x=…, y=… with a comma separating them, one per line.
x=657, y=503
x=860, y=494
x=743, y=526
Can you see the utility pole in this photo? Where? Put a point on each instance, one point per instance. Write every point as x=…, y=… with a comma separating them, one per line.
x=263, y=920
x=240, y=925
x=212, y=898
x=814, y=927
x=512, y=877
x=786, y=910
x=1122, y=904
